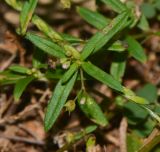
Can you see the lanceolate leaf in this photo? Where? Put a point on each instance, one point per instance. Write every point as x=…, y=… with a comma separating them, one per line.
x=57, y=101
x=94, y=18
x=84, y=132
x=9, y=77
x=71, y=39
x=116, y=5
x=17, y=5
x=91, y=109
x=46, y=29
x=107, y=33
x=102, y=76
x=20, y=86
x=19, y=69
x=136, y=50
x=115, y=26
x=46, y=45
x=26, y=14
x=91, y=45
x=130, y=95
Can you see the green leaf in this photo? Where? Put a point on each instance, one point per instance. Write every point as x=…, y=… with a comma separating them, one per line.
x=131, y=96
x=107, y=33
x=46, y=45
x=91, y=45
x=84, y=132
x=9, y=77
x=46, y=29
x=143, y=23
x=20, y=86
x=17, y=5
x=145, y=128
x=19, y=69
x=87, y=104
x=26, y=14
x=115, y=26
x=133, y=142
x=157, y=4
x=136, y=50
x=103, y=77
x=71, y=39
x=94, y=18
x=72, y=69
x=116, y=5
x=55, y=36
x=148, y=10
x=59, y=97
x=134, y=113
x=118, y=66
x=149, y=92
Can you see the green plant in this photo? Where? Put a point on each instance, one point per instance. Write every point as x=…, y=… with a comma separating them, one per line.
x=75, y=66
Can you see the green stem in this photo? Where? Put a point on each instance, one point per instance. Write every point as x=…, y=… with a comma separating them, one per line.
x=82, y=80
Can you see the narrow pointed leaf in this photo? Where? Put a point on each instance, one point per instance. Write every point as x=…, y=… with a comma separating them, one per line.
x=46, y=45
x=115, y=26
x=17, y=5
x=130, y=95
x=91, y=45
x=54, y=36
x=107, y=33
x=26, y=14
x=59, y=97
x=84, y=132
x=102, y=76
x=9, y=77
x=71, y=39
x=19, y=69
x=94, y=18
x=136, y=50
x=91, y=109
x=46, y=29
x=72, y=69
x=116, y=5
x=21, y=86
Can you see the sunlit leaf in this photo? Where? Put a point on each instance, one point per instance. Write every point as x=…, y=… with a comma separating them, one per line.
x=21, y=86
x=46, y=45
x=102, y=76
x=87, y=104
x=57, y=101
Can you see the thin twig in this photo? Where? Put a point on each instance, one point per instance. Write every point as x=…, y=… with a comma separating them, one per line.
x=123, y=135
x=28, y=131
x=8, y=62
x=82, y=79
x=22, y=139
x=18, y=116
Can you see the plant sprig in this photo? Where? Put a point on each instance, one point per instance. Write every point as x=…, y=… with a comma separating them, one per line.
x=54, y=44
